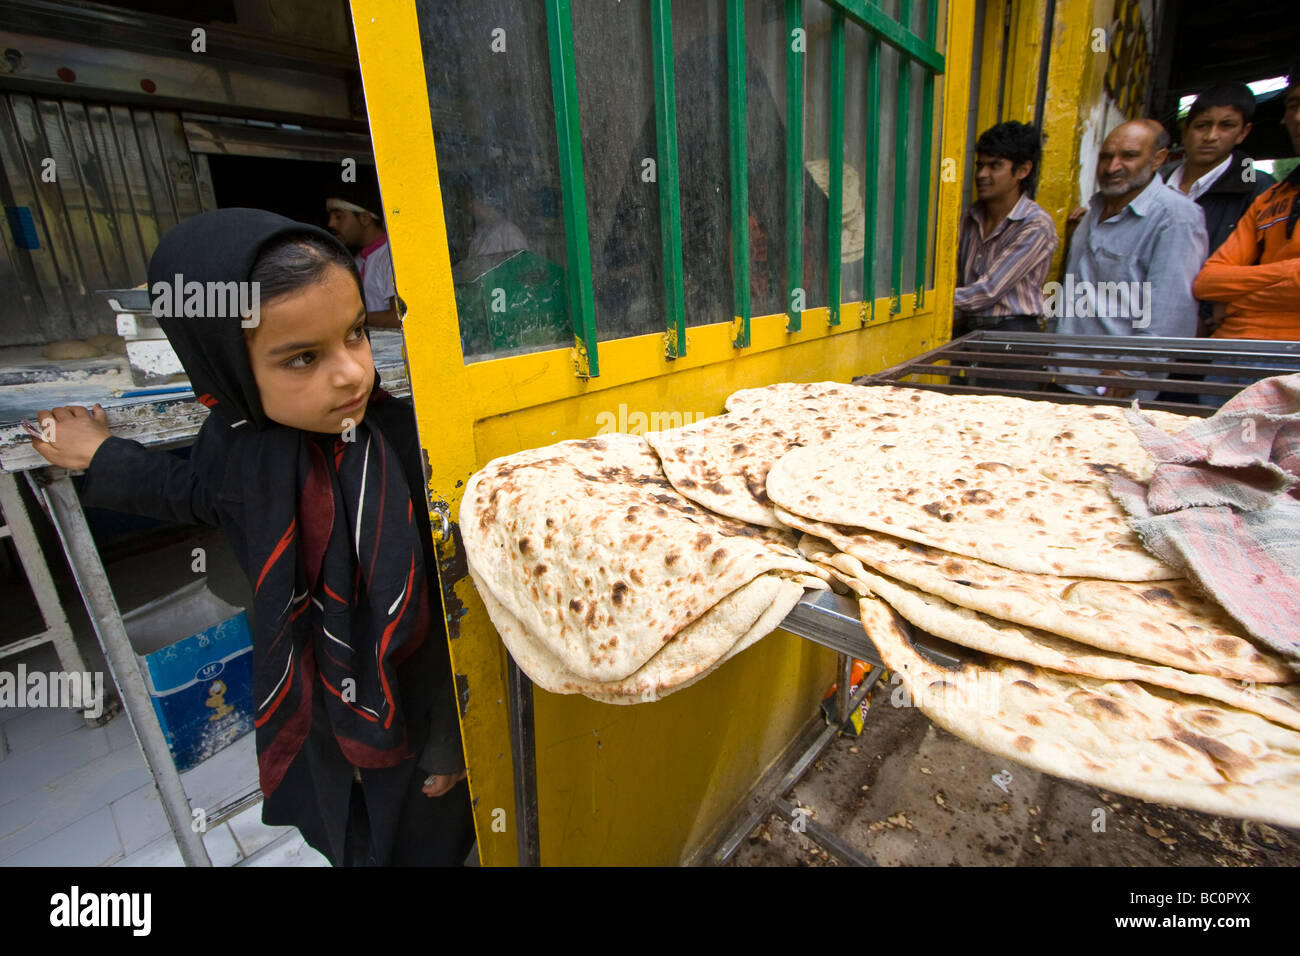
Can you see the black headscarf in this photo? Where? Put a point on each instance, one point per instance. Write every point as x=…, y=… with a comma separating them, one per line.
x=322, y=526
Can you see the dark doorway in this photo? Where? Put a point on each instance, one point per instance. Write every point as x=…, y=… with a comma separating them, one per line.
x=291, y=187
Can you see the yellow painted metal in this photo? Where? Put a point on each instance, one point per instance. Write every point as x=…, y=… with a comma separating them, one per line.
x=503, y=385
x=1017, y=25
x=1024, y=60
x=1076, y=69
x=1009, y=62
x=991, y=82
x=1075, y=92
x=649, y=783
x=959, y=29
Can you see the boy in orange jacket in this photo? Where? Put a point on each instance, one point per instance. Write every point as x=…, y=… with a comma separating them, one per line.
x=1256, y=272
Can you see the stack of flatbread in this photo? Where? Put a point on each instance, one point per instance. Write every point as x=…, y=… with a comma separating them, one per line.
x=988, y=522
x=603, y=580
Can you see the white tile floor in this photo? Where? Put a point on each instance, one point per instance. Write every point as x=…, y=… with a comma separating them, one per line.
x=74, y=795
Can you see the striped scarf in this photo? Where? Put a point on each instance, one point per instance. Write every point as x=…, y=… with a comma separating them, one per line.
x=339, y=591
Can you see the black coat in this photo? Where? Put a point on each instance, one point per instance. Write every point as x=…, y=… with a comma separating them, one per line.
x=316, y=794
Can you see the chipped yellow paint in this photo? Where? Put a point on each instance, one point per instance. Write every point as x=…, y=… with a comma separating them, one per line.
x=649, y=783
x=1075, y=78
x=990, y=65
x=1075, y=88
x=1024, y=60
x=959, y=26
x=581, y=359
x=1016, y=25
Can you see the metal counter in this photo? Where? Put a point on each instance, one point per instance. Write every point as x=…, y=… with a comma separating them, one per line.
x=159, y=422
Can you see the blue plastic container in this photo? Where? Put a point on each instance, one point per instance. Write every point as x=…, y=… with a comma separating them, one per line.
x=196, y=653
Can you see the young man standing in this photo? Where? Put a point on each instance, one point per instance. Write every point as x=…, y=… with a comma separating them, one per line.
x=1007, y=239
x=1215, y=174
x=354, y=219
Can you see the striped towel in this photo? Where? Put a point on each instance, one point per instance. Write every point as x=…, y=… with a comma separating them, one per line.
x=1224, y=507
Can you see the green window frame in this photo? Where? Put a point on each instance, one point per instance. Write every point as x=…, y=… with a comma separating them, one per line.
x=909, y=172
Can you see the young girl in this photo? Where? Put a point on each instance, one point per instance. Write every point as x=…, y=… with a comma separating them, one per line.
x=314, y=473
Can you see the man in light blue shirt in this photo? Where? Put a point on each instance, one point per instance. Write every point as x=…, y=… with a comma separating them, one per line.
x=1135, y=254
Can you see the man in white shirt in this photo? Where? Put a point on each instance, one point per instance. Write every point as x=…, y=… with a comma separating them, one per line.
x=354, y=219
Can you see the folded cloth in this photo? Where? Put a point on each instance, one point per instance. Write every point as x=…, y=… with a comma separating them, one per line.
x=1224, y=507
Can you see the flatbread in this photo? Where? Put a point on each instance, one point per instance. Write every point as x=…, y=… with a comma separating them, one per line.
x=1278, y=702
x=1170, y=623
x=590, y=548
x=971, y=494
x=734, y=623
x=787, y=394
x=769, y=621
x=722, y=462
x=1124, y=736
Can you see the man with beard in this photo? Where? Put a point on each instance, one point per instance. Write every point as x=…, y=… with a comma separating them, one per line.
x=1134, y=255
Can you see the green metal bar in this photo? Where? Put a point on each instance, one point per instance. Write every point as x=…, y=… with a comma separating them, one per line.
x=795, y=51
x=900, y=169
x=836, y=162
x=739, y=167
x=670, y=210
x=871, y=176
x=564, y=91
x=927, y=148
x=868, y=14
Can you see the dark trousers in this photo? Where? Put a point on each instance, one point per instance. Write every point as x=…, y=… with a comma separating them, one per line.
x=1010, y=323
x=441, y=830
x=1007, y=323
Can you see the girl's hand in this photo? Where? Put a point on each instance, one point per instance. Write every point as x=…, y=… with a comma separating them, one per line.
x=436, y=784
x=71, y=435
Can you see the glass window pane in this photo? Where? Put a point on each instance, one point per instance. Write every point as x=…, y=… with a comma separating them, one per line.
x=916, y=88
x=488, y=74
x=936, y=154
x=767, y=42
x=612, y=54
x=885, y=169
x=700, y=51
x=855, y=151
x=816, y=147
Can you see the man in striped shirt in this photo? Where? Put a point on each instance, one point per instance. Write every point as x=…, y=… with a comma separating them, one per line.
x=1007, y=239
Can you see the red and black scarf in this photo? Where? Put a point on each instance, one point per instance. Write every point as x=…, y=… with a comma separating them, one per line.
x=339, y=592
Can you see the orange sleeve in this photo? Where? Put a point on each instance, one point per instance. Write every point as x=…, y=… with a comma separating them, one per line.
x=1280, y=296
x=1228, y=274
